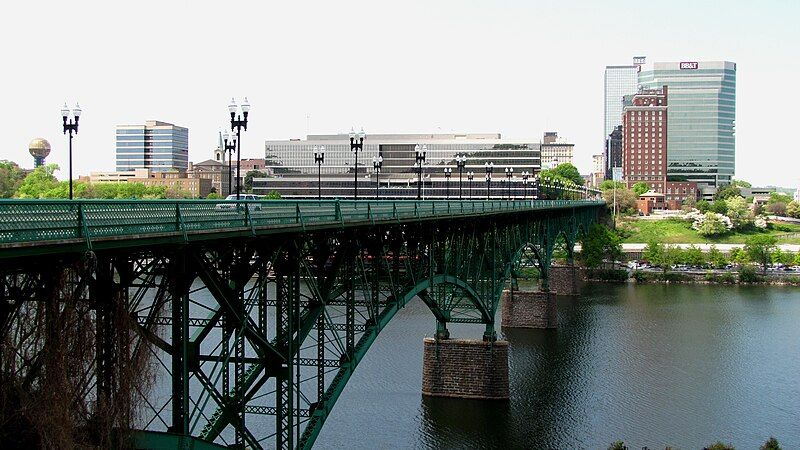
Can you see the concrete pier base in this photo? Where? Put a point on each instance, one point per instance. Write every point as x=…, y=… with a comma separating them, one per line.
x=465, y=368
x=565, y=280
x=527, y=309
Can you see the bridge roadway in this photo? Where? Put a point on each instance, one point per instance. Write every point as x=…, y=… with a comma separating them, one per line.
x=255, y=314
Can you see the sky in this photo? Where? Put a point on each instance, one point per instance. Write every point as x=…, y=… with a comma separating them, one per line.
x=514, y=67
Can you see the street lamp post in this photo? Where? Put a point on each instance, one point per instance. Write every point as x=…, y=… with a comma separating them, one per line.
x=509, y=174
x=237, y=123
x=420, y=154
x=448, y=172
x=319, y=158
x=461, y=161
x=356, y=147
x=71, y=125
x=489, y=166
x=377, y=163
x=230, y=148
x=525, y=176
x=470, y=177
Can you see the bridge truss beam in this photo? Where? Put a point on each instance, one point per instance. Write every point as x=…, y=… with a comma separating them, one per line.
x=251, y=340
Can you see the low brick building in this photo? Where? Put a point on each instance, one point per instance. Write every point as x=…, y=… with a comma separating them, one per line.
x=177, y=181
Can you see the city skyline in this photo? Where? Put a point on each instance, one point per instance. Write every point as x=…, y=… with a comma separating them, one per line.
x=324, y=81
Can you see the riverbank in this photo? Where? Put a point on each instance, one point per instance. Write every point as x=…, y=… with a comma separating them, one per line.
x=710, y=277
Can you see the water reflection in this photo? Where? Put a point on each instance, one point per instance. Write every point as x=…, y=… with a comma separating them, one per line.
x=653, y=365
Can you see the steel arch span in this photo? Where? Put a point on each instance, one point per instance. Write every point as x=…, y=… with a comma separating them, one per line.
x=252, y=338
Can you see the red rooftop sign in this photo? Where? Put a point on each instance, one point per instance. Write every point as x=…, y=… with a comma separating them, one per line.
x=688, y=65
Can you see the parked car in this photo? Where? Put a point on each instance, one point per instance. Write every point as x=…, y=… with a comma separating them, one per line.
x=231, y=203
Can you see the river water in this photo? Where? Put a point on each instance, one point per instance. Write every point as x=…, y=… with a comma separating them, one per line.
x=653, y=365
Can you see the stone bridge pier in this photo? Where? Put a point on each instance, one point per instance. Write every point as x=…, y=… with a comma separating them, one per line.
x=465, y=368
x=537, y=308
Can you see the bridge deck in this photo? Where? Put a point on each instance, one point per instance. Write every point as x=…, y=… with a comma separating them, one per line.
x=50, y=226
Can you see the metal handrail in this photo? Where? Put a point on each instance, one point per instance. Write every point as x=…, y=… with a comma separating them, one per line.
x=37, y=221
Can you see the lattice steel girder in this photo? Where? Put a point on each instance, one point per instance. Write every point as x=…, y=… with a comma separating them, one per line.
x=276, y=324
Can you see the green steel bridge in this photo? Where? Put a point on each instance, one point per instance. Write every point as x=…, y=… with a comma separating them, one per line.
x=248, y=318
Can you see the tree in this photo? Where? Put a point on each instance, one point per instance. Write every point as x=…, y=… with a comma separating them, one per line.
x=716, y=257
x=719, y=206
x=626, y=199
x=619, y=445
x=660, y=255
x=11, y=177
x=793, y=209
x=759, y=249
x=248, y=178
x=694, y=256
x=569, y=172
x=738, y=256
x=728, y=192
x=741, y=183
x=777, y=208
x=640, y=188
x=739, y=213
x=600, y=244
x=778, y=197
x=711, y=224
x=40, y=183
x=609, y=184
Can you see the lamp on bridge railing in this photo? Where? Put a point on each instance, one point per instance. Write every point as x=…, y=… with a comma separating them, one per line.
x=319, y=158
x=448, y=172
x=470, y=177
x=70, y=125
x=509, y=175
x=230, y=148
x=489, y=166
x=525, y=176
x=356, y=147
x=237, y=123
x=420, y=154
x=377, y=163
x=461, y=161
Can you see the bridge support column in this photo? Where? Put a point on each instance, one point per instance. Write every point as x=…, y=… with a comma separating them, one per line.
x=565, y=280
x=529, y=309
x=465, y=368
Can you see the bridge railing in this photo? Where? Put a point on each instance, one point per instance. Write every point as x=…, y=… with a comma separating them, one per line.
x=24, y=221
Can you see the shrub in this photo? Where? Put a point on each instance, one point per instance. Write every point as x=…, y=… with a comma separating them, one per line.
x=727, y=278
x=642, y=277
x=793, y=279
x=619, y=445
x=675, y=276
x=747, y=274
x=724, y=278
x=528, y=273
x=719, y=446
x=608, y=275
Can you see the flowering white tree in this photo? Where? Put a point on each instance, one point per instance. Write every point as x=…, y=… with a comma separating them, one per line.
x=711, y=224
x=760, y=222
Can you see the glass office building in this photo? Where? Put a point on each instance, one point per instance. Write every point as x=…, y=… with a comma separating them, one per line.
x=158, y=146
x=295, y=173
x=701, y=118
x=619, y=82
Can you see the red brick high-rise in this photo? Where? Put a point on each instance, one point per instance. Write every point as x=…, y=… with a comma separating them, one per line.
x=644, y=147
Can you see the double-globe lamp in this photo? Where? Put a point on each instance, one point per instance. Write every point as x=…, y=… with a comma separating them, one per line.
x=237, y=123
x=70, y=125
